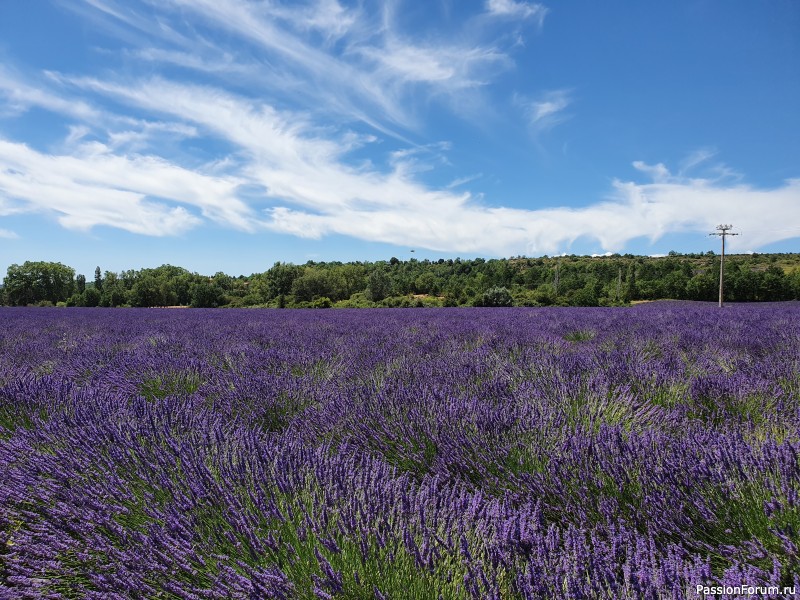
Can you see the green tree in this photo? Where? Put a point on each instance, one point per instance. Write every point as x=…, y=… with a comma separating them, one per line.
x=34, y=282
x=75, y=300
x=379, y=285
x=793, y=282
x=173, y=284
x=114, y=291
x=774, y=285
x=629, y=288
x=91, y=297
x=426, y=283
x=353, y=279
x=98, y=280
x=322, y=302
x=149, y=291
x=544, y=295
x=225, y=282
x=313, y=283
x=206, y=294
x=702, y=286
x=496, y=296
x=279, y=280
x=80, y=283
x=741, y=284
x=675, y=285
x=588, y=295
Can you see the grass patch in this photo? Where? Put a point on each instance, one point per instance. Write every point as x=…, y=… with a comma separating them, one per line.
x=580, y=335
x=174, y=383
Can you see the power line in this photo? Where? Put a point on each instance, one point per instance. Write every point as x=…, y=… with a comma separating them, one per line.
x=722, y=231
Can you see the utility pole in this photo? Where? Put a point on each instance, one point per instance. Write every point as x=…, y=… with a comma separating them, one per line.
x=722, y=231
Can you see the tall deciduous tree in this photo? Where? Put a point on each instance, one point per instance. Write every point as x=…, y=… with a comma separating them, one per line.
x=91, y=297
x=280, y=278
x=34, y=282
x=379, y=285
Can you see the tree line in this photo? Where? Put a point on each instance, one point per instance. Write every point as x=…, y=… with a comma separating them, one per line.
x=519, y=281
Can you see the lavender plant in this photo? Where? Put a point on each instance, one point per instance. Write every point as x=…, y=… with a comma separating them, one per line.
x=489, y=453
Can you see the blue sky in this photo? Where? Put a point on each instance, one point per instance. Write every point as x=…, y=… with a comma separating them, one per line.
x=225, y=135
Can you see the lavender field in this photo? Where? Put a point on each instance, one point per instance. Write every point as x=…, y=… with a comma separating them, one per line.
x=377, y=454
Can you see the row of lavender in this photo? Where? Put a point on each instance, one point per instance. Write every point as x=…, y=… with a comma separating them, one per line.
x=484, y=453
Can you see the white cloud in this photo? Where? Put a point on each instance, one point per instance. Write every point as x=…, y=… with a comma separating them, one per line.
x=446, y=68
x=413, y=63
x=363, y=68
x=520, y=10
x=76, y=134
x=676, y=203
x=459, y=181
x=8, y=234
x=282, y=172
x=658, y=173
x=20, y=95
x=547, y=110
x=140, y=135
x=221, y=63
x=696, y=158
x=337, y=81
x=312, y=190
x=456, y=223
x=96, y=187
x=327, y=16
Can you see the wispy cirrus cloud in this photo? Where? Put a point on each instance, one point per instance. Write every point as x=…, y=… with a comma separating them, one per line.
x=449, y=68
x=354, y=77
x=320, y=73
x=312, y=190
x=546, y=110
x=220, y=63
x=517, y=9
x=49, y=93
x=327, y=17
x=362, y=68
x=20, y=93
x=695, y=158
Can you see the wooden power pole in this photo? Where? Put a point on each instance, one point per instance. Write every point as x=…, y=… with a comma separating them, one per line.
x=722, y=231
